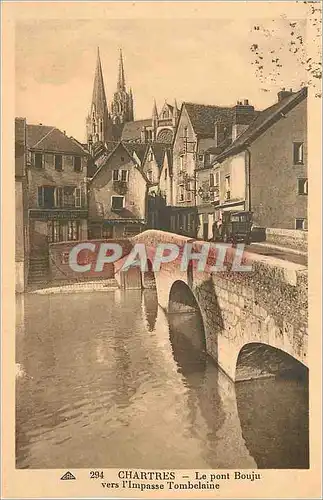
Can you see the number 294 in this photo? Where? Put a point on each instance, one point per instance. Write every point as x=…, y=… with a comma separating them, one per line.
x=96, y=474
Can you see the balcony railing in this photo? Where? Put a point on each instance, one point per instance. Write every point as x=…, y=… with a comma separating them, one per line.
x=58, y=213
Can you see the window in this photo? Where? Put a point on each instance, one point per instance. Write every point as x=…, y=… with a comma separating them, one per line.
x=122, y=158
x=165, y=174
x=227, y=187
x=77, y=164
x=181, y=163
x=46, y=196
x=151, y=156
x=190, y=186
x=59, y=163
x=59, y=197
x=101, y=126
x=77, y=197
x=69, y=196
x=201, y=157
x=115, y=175
x=124, y=175
x=117, y=202
x=150, y=175
x=211, y=180
x=217, y=178
x=188, y=196
x=181, y=194
x=302, y=186
x=38, y=160
x=107, y=232
x=73, y=230
x=299, y=223
x=298, y=153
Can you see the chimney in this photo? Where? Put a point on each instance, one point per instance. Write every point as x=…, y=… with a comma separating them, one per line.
x=219, y=132
x=243, y=115
x=283, y=93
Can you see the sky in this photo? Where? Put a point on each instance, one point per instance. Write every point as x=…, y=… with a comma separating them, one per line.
x=198, y=60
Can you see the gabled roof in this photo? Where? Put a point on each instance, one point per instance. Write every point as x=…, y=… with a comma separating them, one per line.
x=203, y=117
x=51, y=139
x=158, y=149
x=129, y=150
x=169, y=154
x=138, y=148
x=132, y=130
x=263, y=121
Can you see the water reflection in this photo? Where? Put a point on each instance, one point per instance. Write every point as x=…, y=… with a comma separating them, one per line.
x=150, y=308
x=109, y=380
x=274, y=421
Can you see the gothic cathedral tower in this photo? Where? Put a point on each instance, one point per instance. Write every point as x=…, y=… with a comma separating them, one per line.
x=122, y=104
x=98, y=122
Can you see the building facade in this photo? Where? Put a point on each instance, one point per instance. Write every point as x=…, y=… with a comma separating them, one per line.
x=202, y=132
x=118, y=195
x=57, y=189
x=265, y=169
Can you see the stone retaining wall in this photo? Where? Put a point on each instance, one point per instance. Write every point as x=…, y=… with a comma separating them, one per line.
x=287, y=238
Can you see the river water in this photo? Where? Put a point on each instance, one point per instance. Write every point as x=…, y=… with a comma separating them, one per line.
x=106, y=379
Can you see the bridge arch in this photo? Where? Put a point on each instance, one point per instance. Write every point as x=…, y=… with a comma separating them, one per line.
x=260, y=359
x=185, y=315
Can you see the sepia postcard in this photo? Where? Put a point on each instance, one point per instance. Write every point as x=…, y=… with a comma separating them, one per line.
x=161, y=249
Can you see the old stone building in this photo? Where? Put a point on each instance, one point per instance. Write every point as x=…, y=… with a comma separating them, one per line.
x=118, y=194
x=265, y=169
x=201, y=133
x=57, y=191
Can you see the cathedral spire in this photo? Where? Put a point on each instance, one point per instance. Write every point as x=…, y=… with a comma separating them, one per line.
x=99, y=101
x=155, y=111
x=121, y=85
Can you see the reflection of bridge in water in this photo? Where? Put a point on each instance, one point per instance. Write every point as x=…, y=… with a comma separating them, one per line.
x=265, y=421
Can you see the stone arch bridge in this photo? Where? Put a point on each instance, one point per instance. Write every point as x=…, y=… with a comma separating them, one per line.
x=266, y=306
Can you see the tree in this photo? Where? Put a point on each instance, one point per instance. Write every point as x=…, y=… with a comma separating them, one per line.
x=286, y=41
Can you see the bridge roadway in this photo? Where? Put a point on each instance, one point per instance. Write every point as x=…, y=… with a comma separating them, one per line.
x=266, y=306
